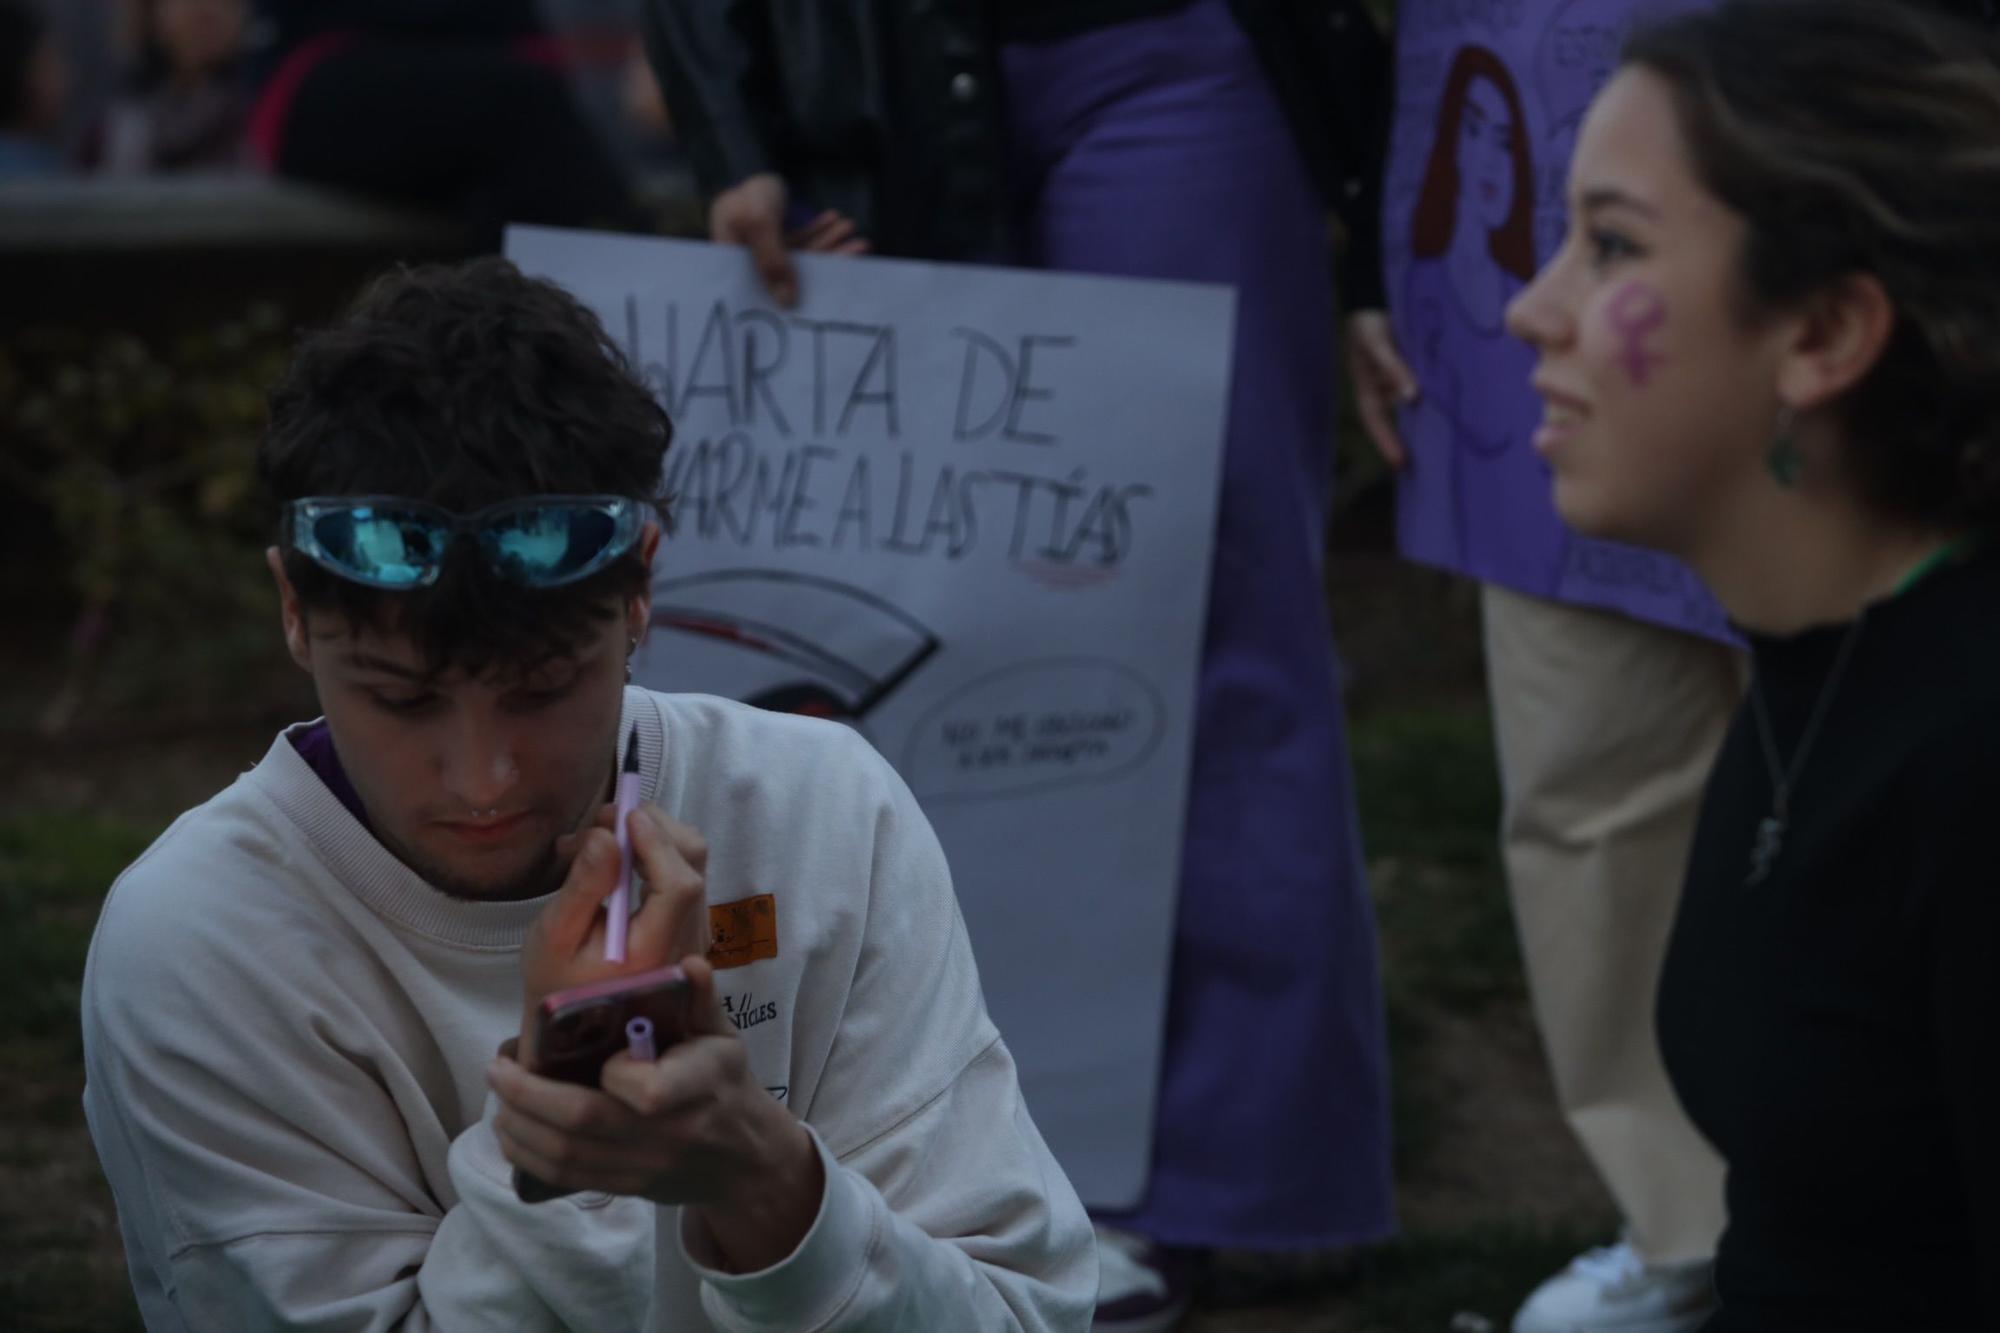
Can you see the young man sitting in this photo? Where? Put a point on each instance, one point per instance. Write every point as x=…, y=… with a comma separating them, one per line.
x=294, y=998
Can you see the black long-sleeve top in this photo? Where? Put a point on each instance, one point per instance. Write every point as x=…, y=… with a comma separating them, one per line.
x=1835, y=1029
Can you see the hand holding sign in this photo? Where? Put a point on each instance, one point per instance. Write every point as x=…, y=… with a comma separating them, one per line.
x=1382, y=380
x=752, y=214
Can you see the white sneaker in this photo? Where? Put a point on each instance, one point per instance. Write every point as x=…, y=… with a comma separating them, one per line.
x=1140, y=1288
x=1612, y=1290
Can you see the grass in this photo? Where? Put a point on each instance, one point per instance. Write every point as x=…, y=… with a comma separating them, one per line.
x=60, y=1290
x=1429, y=810
x=61, y=1272
x=1428, y=787
x=1470, y=1277
x=1428, y=1280
x=54, y=869
x=1427, y=784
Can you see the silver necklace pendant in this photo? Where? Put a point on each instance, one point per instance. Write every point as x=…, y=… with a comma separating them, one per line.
x=1770, y=841
x=1771, y=829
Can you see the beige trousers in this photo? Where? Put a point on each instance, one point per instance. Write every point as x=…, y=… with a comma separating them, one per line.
x=1606, y=728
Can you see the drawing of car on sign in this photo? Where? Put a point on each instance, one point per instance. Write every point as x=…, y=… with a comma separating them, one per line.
x=791, y=643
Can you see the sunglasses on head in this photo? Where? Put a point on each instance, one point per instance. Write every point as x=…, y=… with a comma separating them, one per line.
x=542, y=541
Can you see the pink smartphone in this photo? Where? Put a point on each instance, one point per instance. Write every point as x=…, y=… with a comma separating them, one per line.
x=578, y=1029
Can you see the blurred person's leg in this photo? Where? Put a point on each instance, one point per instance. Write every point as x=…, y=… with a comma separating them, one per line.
x=1606, y=729
x=483, y=131
x=1156, y=149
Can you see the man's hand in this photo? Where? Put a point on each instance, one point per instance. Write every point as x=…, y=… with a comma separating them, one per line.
x=752, y=214
x=565, y=946
x=1382, y=381
x=691, y=1128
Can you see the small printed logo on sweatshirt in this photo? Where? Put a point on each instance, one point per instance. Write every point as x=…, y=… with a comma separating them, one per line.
x=742, y=932
x=746, y=1012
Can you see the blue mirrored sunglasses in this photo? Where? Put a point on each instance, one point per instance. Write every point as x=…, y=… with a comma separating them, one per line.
x=384, y=541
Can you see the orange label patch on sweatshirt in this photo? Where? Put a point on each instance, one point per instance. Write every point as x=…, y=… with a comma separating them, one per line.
x=742, y=932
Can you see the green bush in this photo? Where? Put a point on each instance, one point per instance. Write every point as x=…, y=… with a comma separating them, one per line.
x=135, y=463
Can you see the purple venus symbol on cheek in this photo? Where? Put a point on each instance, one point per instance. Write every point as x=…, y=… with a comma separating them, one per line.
x=1635, y=312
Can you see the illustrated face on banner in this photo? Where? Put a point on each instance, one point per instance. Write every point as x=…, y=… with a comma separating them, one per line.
x=1657, y=396
x=1486, y=157
x=1479, y=183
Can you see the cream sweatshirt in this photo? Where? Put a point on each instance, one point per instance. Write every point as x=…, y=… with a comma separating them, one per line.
x=286, y=1032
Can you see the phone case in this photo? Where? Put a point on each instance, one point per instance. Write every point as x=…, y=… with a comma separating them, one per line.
x=577, y=1030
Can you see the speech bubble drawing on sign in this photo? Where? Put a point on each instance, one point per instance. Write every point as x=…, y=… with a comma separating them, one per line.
x=1035, y=726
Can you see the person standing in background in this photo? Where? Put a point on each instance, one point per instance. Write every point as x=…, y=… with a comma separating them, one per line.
x=457, y=105
x=1611, y=671
x=33, y=87
x=1164, y=139
x=186, y=106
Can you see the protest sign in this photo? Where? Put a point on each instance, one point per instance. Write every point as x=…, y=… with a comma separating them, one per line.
x=970, y=512
x=1490, y=96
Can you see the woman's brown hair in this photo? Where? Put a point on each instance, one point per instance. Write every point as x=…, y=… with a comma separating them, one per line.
x=1857, y=137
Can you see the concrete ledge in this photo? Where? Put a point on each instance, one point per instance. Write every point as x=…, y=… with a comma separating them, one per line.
x=205, y=213
x=249, y=212
x=158, y=253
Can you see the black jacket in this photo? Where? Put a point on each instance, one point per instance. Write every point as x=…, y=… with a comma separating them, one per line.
x=889, y=111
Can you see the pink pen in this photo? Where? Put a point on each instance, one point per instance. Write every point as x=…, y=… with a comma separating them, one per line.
x=639, y=1040
x=618, y=907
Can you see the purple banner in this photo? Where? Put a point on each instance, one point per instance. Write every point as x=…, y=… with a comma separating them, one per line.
x=1489, y=97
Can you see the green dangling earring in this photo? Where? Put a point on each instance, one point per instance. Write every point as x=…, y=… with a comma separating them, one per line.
x=1783, y=459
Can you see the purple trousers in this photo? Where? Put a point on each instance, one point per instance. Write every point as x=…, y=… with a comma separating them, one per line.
x=1157, y=149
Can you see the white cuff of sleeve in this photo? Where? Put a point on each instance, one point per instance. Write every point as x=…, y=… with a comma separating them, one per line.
x=809, y=1286
x=478, y=1147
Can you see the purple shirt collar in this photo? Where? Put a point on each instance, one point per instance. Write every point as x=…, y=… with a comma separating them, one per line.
x=315, y=745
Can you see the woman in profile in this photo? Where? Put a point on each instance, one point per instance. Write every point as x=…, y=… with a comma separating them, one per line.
x=1804, y=195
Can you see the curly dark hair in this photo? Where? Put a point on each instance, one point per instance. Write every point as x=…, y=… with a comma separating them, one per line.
x=1860, y=137
x=466, y=385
